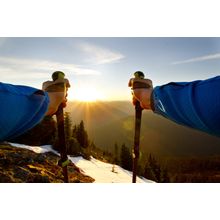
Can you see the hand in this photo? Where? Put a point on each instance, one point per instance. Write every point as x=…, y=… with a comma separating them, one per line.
x=141, y=91
x=57, y=91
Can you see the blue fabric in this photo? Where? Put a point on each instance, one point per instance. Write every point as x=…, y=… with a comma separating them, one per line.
x=20, y=109
x=194, y=104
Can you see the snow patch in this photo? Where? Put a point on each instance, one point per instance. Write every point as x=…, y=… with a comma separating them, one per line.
x=37, y=149
x=104, y=172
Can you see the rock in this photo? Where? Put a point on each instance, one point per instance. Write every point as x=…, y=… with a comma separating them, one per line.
x=4, y=178
x=4, y=162
x=40, y=158
x=25, y=166
x=21, y=173
x=39, y=179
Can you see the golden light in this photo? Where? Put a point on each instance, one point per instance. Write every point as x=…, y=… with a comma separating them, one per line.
x=84, y=94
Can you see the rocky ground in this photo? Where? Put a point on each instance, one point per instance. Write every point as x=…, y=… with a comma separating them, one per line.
x=19, y=165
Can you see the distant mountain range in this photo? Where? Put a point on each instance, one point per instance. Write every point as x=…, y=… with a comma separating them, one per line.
x=111, y=122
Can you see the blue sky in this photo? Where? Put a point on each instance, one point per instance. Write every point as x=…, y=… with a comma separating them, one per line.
x=106, y=64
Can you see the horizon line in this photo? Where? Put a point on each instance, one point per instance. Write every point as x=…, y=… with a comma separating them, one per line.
x=125, y=100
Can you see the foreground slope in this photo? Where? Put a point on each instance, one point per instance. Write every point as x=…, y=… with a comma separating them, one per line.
x=22, y=163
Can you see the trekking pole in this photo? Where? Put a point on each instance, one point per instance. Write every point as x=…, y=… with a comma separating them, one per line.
x=63, y=162
x=60, y=86
x=138, y=114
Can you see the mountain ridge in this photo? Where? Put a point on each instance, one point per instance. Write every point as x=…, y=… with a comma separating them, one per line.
x=111, y=122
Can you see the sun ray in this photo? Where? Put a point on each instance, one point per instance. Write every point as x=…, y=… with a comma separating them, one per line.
x=85, y=93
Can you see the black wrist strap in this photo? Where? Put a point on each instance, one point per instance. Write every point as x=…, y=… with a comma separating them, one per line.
x=140, y=85
x=58, y=87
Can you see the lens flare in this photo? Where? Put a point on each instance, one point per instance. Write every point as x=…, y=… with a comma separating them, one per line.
x=85, y=94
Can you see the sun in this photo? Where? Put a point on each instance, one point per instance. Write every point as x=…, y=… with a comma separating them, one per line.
x=84, y=94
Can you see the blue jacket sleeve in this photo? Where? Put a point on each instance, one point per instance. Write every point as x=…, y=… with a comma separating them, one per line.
x=194, y=104
x=22, y=107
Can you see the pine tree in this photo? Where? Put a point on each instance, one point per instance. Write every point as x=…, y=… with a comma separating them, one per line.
x=82, y=136
x=126, y=158
x=67, y=125
x=149, y=173
x=164, y=176
x=149, y=169
x=155, y=166
x=80, y=140
x=74, y=147
x=74, y=131
x=92, y=146
x=154, y=172
x=116, y=160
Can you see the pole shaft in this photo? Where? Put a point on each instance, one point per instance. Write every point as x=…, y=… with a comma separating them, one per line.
x=138, y=114
x=62, y=141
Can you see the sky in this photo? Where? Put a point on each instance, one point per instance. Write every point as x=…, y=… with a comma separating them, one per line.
x=101, y=67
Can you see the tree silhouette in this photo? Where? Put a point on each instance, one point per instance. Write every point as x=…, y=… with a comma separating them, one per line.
x=67, y=125
x=81, y=135
x=116, y=159
x=153, y=171
x=126, y=158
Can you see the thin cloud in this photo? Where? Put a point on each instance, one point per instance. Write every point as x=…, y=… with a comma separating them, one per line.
x=14, y=68
x=199, y=59
x=100, y=55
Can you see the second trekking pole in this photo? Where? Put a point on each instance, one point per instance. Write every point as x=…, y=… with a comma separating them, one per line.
x=138, y=114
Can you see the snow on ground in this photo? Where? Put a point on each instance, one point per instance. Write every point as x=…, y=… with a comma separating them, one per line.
x=100, y=171
x=37, y=149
